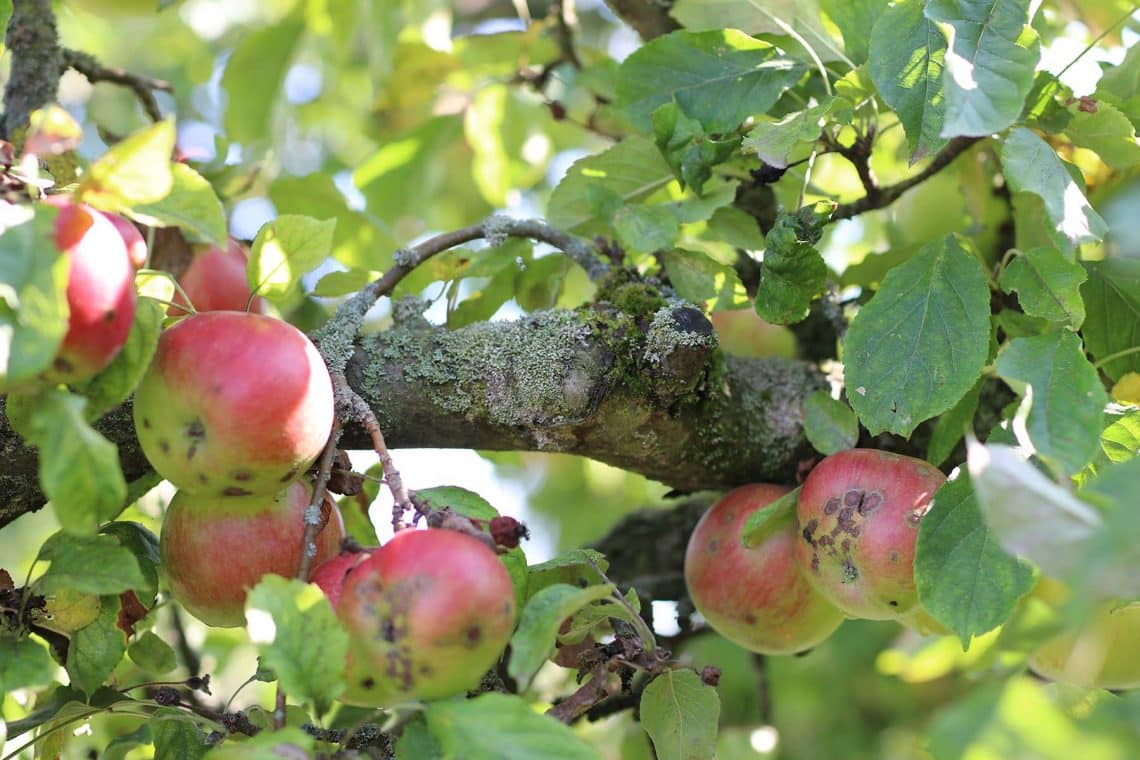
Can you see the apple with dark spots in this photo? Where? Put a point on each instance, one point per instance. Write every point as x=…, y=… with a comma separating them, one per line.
x=216, y=281
x=331, y=574
x=857, y=519
x=233, y=404
x=215, y=549
x=100, y=292
x=755, y=596
x=427, y=614
x=132, y=239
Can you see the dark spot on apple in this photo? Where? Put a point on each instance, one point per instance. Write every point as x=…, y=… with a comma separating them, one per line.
x=164, y=446
x=235, y=491
x=714, y=546
x=242, y=476
x=809, y=531
x=62, y=365
x=109, y=316
x=853, y=498
x=815, y=562
x=202, y=478
x=749, y=618
x=289, y=476
x=893, y=603
x=196, y=432
x=368, y=683
x=831, y=507
x=850, y=572
x=146, y=423
x=425, y=670
x=472, y=636
x=870, y=503
x=893, y=557
x=388, y=630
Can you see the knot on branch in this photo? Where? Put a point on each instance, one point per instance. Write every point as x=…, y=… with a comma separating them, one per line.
x=678, y=345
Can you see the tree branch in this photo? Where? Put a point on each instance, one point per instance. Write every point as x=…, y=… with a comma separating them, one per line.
x=143, y=87
x=36, y=63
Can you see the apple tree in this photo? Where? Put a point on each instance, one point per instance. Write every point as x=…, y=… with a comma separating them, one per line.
x=806, y=335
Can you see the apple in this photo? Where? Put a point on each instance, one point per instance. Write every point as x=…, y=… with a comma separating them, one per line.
x=428, y=613
x=100, y=292
x=755, y=596
x=216, y=281
x=331, y=574
x=857, y=518
x=233, y=404
x=214, y=549
x=132, y=238
x=743, y=332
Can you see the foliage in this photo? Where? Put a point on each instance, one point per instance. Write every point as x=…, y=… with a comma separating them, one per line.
x=936, y=197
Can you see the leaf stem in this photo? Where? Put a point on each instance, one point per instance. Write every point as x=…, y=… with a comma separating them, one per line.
x=1117, y=355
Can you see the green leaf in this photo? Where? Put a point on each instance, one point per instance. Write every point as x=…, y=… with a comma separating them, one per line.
x=134, y=171
x=964, y=578
x=794, y=273
x=574, y=568
x=1047, y=284
x=191, y=205
x=1120, y=85
x=772, y=516
x=597, y=616
x=920, y=343
x=115, y=384
x=255, y=75
x=286, y=248
x=774, y=141
x=176, y=735
x=336, y=284
x=1112, y=301
x=1028, y=514
x=1068, y=400
x=952, y=426
x=774, y=17
x=1109, y=133
x=989, y=63
x=143, y=544
x=79, y=468
x=856, y=20
x=24, y=664
x=92, y=564
x=689, y=151
x=1121, y=440
x=285, y=618
x=719, y=78
x=829, y=425
x=630, y=171
x=96, y=648
x=1032, y=166
x=906, y=63
x=680, y=715
x=699, y=278
x=498, y=123
x=502, y=727
x=33, y=295
x=152, y=654
x=645, y=229
x=289, y=742
x=533, y=640
x=417, y=743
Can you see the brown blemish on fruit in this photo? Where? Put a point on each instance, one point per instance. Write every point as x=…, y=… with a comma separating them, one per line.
x=368, y=683
x=809, y=531
x=62, y=365
x=914, y=517
x=831, y=507
x=235, y=491
x=388, y=631
x=853, y=498
x=870, y=502
x=750, y=618
x=242, y=476
x=202, y=478
x=815, y=562
x=893, y=603
x=472, y=636
x=425, y=670
x=146, y=423
x=713, y=546
x=850, y=572
x=893, y=557
x=109, y=316
x=196, y=432
x=289, y=476
x=164, y=446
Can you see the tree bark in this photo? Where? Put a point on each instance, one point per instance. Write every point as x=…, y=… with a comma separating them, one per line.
x=652, y=395
x=37, y=62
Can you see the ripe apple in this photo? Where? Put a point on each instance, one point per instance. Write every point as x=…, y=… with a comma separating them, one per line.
x=132, y=238
x=331, y=574
x=216, y=281
x=100, y=292
x=858, y=516
x=755, y=596
x=214, y=549
x=428, y=614
x=233, y=404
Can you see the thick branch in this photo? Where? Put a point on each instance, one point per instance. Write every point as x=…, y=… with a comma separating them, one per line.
x=659, y=400
x=37, y=62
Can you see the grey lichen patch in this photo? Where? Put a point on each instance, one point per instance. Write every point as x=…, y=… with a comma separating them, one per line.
x=535, y=371
x=495, y=230
x=673, y=327
x=408, y=312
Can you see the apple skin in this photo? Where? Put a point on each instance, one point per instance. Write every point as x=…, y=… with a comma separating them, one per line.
x=216, y=281
x=215, y=549
x=331, y=574
x=233, y=404
x=857, y=518
x=755, y=596
x=132, y=238
x=100, y=292
x=427, y=614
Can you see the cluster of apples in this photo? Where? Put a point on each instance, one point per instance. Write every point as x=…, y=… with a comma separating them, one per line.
x=847, y=550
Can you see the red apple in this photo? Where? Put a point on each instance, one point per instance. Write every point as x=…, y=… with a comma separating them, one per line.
x=100, y=292
x=858, y=516
x=216, y=281
x=215, y=549
x=755, y=596
x=132, y=238
x=427, y=615
x=233, y=404
x=332, y=574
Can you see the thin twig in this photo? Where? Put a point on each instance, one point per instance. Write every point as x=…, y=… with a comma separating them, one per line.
x=565, y=20
x=142, y=86
x=313, y=512
x=888, y=195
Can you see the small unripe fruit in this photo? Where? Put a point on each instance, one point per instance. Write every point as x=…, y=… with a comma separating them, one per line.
x=233, y=404
x=427, y=615
x=755, y=596
x=216, y=281
x=100, y=292
x=215, y=549
x=858, y=517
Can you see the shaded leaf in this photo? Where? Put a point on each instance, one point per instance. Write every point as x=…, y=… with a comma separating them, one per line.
x=97, y=648
x=92, y=564
x=191, y=205
x=255, y=76
x=794, y=272
x=534, y=639
x=951, y=426
x=645, y=229
x=502, y=727
x=701, y=279
x=24, y=664
x=176, y=735
x=1109, y=133
x=117, y=381
x=829, y=425
x=771, y=517
x=680, y=715
x=1112, y=323
x=1047, y=285
x=152, y=654
x=773, y=142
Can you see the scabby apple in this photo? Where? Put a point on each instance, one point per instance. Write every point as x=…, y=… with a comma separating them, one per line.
x=215, y=549
x=428, y=614
x=755, y=595
x=858, y=516
x=233, y=404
